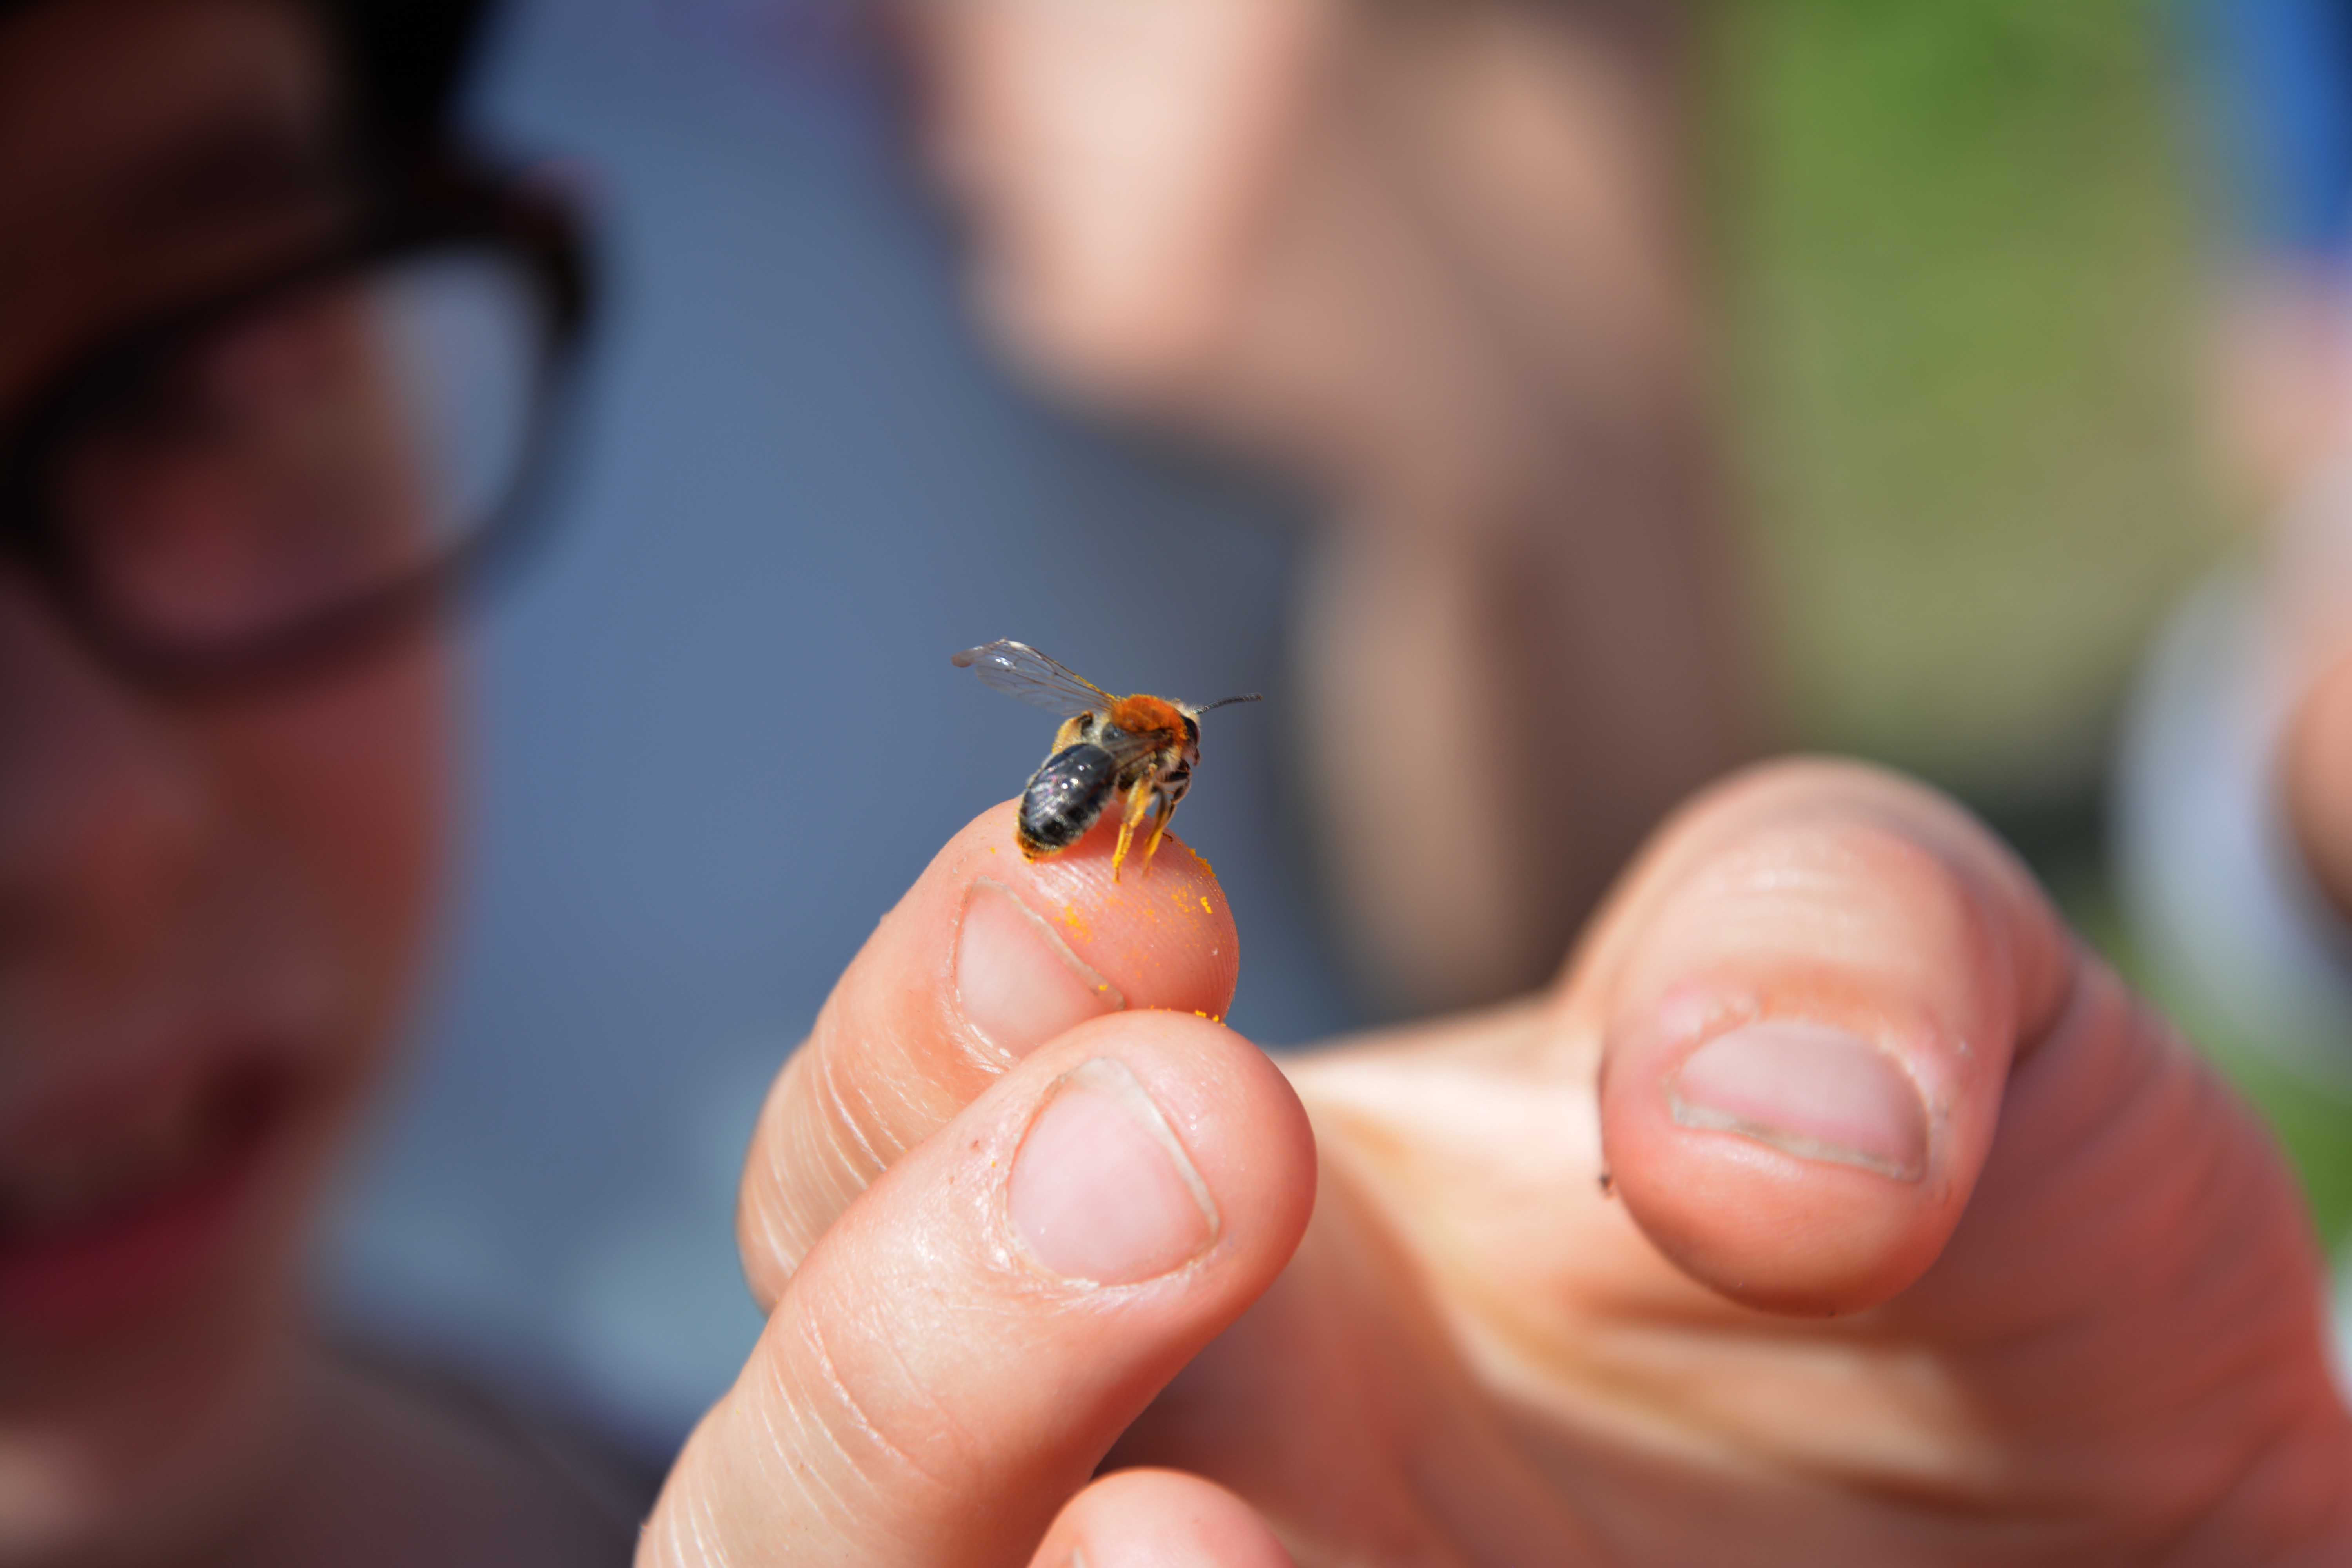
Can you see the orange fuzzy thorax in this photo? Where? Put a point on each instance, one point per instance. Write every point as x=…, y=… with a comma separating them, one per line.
x=1141, y=715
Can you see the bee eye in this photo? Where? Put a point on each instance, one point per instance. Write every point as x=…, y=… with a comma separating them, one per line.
x=1191, y=729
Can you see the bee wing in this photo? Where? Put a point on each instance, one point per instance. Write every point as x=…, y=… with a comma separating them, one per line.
x=1019, y=670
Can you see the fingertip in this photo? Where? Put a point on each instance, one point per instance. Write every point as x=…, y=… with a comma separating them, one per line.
x=988, y=958
x=1152, y=935
x=1234, y=1114
x=1763, y=1219
x=1807, y=1032
x=1158, y=1519
x=1790, y=1165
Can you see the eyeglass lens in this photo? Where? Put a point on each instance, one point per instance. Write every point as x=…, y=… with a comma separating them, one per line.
x=330, y=445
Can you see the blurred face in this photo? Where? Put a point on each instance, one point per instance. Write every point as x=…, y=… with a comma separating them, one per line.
x=1365, y=238
x=1117, y=163
x=208, y=907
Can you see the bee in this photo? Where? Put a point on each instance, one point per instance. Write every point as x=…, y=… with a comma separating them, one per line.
x=1140, y=749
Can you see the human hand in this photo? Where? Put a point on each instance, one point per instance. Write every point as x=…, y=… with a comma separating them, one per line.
x=2042, y=1292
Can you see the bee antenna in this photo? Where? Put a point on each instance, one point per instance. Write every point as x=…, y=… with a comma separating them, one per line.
x=1230, y=702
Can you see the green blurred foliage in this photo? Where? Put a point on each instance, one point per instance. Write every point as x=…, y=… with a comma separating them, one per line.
x=1962, y=277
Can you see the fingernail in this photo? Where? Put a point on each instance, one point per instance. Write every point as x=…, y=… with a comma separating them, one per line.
x=1018, y=979
x=1101, y=1191
x=1810, y=1090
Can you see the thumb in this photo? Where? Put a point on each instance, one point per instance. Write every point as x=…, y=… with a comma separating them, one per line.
x=960, y=1349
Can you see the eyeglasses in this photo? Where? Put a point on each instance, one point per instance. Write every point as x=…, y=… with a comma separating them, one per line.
x=295, y=468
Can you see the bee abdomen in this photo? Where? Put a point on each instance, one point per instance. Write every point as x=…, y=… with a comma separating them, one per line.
x=1064, y=799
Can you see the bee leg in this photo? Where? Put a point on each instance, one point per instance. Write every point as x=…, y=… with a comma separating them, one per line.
x=1139, y=801
x=1160, y=830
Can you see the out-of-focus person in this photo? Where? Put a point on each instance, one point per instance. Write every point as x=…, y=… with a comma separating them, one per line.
x=1433, y=261
x=272, y=369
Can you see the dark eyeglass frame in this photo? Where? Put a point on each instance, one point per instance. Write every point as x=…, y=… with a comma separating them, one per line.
x=444, y=205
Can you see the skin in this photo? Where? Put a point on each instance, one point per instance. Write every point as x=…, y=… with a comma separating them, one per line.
x=1431, y=261
x=2315, y=777
x=2088, y=1331
x=2086, y=1326
x=2281, y=379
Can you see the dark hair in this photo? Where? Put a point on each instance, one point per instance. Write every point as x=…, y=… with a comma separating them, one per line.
x=406, y=58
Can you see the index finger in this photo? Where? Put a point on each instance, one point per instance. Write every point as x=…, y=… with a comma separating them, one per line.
x=988, y=956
